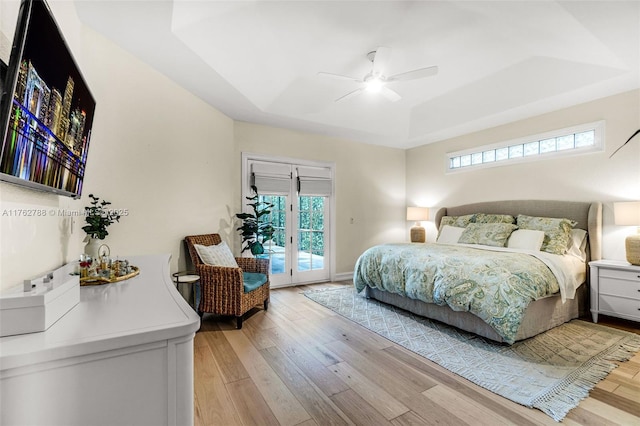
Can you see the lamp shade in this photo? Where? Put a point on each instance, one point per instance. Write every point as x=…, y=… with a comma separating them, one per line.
x=627, y=213
x=417, y=213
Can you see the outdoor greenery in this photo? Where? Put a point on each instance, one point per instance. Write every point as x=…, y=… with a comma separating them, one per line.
x=98, y=216
x=277, y=218
x=310, y=222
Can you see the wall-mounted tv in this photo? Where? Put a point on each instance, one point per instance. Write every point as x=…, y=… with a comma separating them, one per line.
x=46, y=108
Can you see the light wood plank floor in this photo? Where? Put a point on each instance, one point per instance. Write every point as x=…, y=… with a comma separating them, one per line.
x=301, y=364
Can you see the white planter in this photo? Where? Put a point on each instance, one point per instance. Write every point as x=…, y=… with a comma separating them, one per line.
x=93, y=246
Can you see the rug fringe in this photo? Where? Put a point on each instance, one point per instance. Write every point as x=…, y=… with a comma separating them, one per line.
x=566, y=395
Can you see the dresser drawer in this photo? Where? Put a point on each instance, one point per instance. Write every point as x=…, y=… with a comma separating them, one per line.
x=619, y=306
x=619, y=275
x=618, y=287
x=615, y=289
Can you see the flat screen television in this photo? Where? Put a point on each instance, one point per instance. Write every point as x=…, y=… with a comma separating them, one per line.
x=46, y=108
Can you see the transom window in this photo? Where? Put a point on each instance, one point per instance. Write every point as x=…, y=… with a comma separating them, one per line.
x=569, y=141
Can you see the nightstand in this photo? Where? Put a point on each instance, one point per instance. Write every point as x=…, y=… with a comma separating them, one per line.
x=615, y=289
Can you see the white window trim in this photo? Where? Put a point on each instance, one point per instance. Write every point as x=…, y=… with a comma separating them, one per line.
x=598, y=146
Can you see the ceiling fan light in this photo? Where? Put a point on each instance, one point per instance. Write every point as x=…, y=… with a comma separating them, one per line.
x=374, y=85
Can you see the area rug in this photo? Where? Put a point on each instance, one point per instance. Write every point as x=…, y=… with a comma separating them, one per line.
x=552, y=372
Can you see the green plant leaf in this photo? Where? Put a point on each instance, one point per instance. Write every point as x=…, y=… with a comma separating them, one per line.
x=254, y=229
x=98, y=218
x=257, y=248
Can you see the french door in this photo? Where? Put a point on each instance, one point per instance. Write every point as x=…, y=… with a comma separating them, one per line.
x=301, y=195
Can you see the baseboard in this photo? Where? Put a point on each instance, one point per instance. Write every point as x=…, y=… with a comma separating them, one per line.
x=344, y=276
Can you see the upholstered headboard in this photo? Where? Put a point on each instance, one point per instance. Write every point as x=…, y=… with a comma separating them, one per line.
x=587, y=214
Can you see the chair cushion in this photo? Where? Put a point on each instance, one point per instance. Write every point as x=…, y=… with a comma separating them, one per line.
x=253, y=280
x=216, y=255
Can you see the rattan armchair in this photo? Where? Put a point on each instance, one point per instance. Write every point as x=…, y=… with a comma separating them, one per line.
x=222, y=288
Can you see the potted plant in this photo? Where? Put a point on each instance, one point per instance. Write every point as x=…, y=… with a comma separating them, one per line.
x=254, y=230
x=98, y=217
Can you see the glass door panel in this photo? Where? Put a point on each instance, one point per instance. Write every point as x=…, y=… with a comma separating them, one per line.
x=277, y=250
x=311, y=239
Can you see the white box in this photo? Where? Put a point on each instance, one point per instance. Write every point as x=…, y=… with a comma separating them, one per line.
x=36, y=310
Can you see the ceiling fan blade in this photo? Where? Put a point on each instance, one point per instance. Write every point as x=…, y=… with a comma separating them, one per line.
x=339, y=77
x=381, y=60
x=390, y=94
x=412, y=75
x=349, y=95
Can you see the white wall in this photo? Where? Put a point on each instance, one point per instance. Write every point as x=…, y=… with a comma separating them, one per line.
x=156, y=150
x=370, y=186
x=589, y=177
x=174, y=163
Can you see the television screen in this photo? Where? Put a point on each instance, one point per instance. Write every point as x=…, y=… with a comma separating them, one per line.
x=46, y=112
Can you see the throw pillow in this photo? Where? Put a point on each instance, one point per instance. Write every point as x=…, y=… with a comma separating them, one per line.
x=457, y=221
x=488, y=234
x=557, y=231
x=493, y=218
x=526, y=239
x=216, y=255
x=578, y=244
x=450, y=234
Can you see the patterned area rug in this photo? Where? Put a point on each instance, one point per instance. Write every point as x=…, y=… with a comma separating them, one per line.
x=553, y=371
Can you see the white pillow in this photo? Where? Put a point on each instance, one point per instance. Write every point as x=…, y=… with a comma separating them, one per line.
x=450, y=234
x=527, y=239
x=216, y=255
x=578, y=244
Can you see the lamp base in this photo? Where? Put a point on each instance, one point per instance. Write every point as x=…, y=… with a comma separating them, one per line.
x=418, y=234
x=632, y=244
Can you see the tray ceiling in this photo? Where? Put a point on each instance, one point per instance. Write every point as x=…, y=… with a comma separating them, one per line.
x=258, y=61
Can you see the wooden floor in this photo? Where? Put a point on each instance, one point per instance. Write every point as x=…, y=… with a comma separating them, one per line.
x=301, y=364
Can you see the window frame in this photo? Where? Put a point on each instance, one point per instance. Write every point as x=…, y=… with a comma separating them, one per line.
x=598, y=127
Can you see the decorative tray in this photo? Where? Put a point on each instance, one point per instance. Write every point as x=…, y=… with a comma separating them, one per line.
x=97, y=280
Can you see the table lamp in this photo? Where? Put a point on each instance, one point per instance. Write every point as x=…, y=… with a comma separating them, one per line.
x=417, y=214
x=628, y=214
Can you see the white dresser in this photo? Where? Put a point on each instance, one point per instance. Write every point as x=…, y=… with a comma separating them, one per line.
x=615, y=289
x=122, y=356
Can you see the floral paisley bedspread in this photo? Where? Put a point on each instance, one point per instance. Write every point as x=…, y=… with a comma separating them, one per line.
x=495, y=286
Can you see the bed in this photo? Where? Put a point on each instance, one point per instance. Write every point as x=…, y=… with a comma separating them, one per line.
x=543, y=312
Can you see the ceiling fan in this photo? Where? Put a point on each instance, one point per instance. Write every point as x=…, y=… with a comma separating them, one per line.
x=376, y=81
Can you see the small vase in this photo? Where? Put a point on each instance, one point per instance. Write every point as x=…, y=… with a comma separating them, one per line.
x=92, y=247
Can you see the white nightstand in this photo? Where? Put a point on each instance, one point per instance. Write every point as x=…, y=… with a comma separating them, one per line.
x=615, y=289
